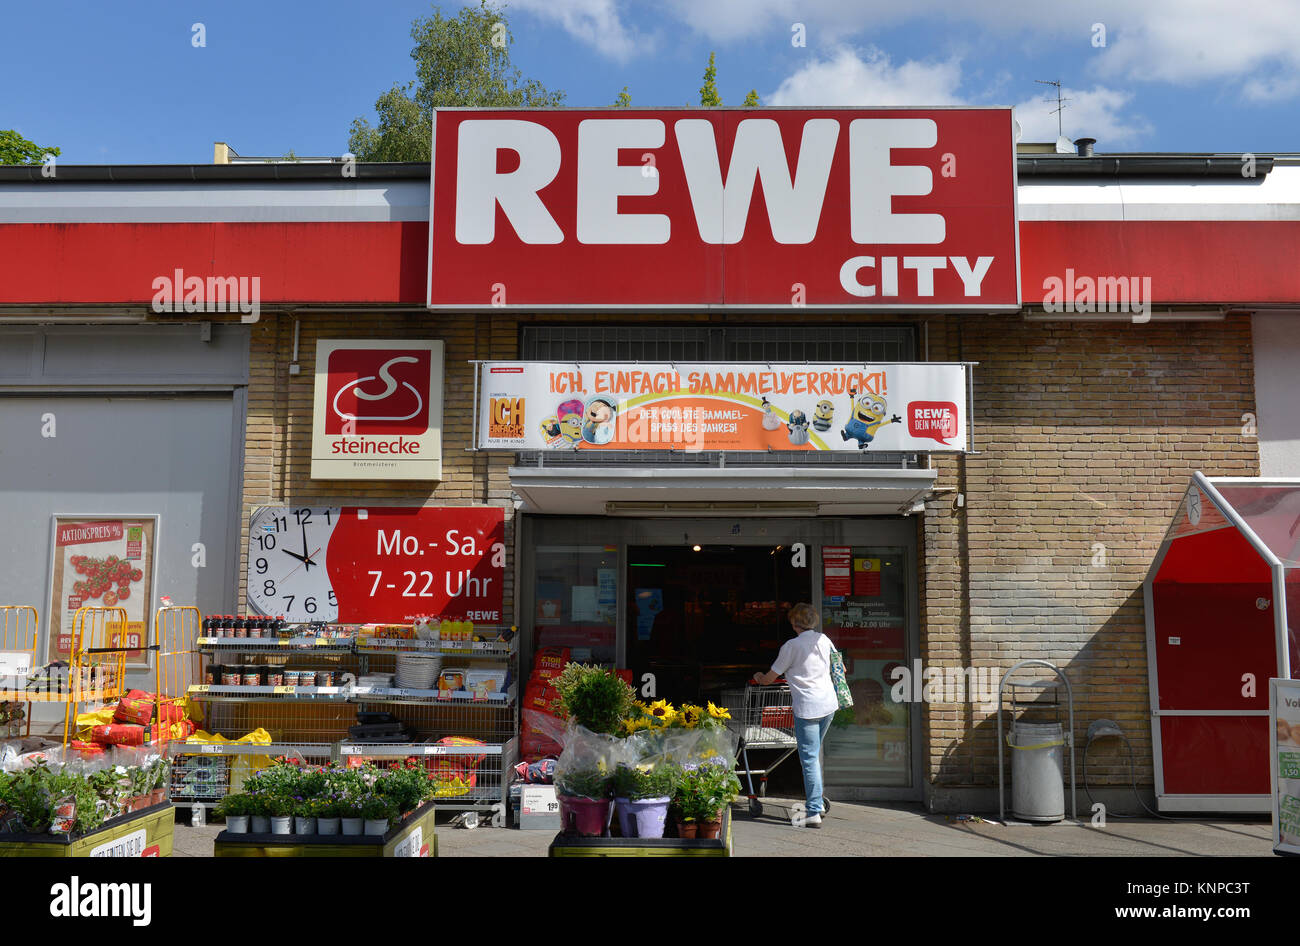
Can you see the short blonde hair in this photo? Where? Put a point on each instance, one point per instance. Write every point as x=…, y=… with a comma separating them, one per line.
x=803, y=615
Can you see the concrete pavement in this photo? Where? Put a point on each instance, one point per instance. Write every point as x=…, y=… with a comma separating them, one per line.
x=866, y=829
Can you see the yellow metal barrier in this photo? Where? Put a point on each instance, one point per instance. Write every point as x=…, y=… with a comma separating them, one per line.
x=176, y=631
x=98, y=670
x=18, y=628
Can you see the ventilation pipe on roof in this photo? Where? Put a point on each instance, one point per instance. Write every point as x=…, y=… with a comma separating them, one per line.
x=1085, y=146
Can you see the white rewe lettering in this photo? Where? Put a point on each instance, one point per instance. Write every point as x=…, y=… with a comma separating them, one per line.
x=874, y=181
x=794, y=202
x=479, y=188
x=604, y=180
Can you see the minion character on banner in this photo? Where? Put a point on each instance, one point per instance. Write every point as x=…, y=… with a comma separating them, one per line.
x=551, y=432
x=798, y=428
x=770, y=420
x=598, y=422
x=569, y=415
x=823, y=416
x=866, y=417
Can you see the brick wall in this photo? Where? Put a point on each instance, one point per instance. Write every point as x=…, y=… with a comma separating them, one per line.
x=1087, y=436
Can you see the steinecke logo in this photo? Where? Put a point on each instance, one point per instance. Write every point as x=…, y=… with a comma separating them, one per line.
x=75, y=899
x=378, y=391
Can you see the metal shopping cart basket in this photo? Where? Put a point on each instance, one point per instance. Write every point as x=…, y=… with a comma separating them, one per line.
x=763, y=718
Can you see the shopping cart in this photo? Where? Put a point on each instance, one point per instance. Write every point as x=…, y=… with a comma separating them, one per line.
x=763, y=718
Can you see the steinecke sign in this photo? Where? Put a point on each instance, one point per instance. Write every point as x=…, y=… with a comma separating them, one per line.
x=747, y=208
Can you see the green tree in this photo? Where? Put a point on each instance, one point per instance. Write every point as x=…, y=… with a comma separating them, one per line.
x=709, y=91
x=751, y=100
x=624, y=100
x=15, y=149
x=460, y=61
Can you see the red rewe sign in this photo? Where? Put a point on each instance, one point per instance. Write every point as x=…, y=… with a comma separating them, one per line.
x=377, y=391
x=750, y=208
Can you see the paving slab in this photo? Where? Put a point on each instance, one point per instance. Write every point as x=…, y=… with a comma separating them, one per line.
x=873, y=829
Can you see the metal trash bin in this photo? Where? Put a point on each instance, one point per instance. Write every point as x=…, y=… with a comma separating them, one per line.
x=1037, y=771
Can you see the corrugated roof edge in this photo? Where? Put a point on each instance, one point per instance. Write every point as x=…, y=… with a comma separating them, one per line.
x=1067, y=165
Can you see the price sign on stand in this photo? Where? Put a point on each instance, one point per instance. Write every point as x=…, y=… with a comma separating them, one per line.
x=15, y=663
x=538, y=800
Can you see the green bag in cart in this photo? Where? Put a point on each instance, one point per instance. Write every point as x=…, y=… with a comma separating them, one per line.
x=840, y=679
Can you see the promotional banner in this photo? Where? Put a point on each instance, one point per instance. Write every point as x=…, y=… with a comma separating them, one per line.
x=102, y=562
x=378, y=410
x=870, y=208
x=692, y=407
x=1284, y=708
x=377, y=564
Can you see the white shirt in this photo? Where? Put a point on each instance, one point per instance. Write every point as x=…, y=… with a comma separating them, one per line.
x=805, y=662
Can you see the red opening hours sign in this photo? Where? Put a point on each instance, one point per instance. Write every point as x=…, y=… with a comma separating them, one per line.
x=771, y=208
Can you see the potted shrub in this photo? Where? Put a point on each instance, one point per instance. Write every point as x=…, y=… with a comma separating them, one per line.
x=280, y=808
x=594, y=697
x=236, y=809
x=585, y=803
x=643, y=793
x=377, y=812
x=259, y=816
x=350, y=815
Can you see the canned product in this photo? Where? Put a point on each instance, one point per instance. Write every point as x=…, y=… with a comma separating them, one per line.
x=214, y=673
x=274, y=678
x=291, y=678
x=230, y=676
x=252, y=677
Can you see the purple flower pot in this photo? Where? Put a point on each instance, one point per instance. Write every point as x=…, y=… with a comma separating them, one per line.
x=643, y=817
x=587, y=817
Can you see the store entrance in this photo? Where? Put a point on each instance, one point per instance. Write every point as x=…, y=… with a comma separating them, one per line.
x=704, y=618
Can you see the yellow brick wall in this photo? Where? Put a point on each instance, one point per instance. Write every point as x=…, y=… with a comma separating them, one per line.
x=1087, y=436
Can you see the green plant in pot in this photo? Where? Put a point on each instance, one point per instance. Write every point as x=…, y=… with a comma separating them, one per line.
x=237, y=809
x=377, y=812
x=594, y=697
x=585, y=802
x=643, y=793
x=704, y=791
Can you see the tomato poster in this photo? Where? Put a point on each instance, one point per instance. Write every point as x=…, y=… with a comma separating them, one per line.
x=106, y=563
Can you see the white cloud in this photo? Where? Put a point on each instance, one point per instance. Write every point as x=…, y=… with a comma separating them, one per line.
x=597, y=23
x=1095, y=113
x=847, y=79
x=1253, y=48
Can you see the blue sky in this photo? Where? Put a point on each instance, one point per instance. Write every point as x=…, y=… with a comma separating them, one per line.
x=123, y=83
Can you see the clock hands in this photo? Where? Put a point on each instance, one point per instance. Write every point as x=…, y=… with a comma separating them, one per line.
x=307, y=560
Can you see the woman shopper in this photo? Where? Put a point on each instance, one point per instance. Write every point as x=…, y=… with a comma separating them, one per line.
x=805, y=661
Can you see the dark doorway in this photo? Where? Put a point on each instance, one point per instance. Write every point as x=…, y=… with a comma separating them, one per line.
x=704, y=620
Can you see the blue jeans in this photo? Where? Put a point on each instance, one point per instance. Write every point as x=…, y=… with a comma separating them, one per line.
x=808, y=735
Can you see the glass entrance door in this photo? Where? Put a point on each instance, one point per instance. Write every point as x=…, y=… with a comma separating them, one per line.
x=705, y=620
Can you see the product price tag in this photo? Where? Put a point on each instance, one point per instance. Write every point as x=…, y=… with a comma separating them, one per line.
x=435, y=750
x=285, y=689
x=327, y=690
x=366, y=689
x=15, y=663
x=349, y=750
x=323, y=642
x=199, y=688
x=207, y=640
x=214, y=749
x=538, y=800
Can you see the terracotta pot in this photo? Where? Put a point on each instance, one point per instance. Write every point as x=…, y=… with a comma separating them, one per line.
x=586, y=817
x=686, y=830
x=710, y=828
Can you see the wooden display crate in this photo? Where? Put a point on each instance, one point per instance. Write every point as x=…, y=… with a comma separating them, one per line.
x=414, y=837
x=574, y=846
x=144, y=833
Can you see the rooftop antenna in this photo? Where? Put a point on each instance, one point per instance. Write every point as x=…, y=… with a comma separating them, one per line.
x=1060, y=103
